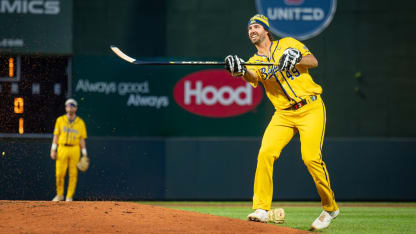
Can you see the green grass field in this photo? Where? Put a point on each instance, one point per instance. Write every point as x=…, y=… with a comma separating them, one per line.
x=354, y=217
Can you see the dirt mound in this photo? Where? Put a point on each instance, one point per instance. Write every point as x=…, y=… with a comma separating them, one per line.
x=118, y=217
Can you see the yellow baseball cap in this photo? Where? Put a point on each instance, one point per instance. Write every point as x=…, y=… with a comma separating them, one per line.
x=260, y=19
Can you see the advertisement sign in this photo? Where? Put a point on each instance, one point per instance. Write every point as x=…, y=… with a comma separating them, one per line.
x=36, y=26
x=120, y=99
x=300, y=19
x=215, y=93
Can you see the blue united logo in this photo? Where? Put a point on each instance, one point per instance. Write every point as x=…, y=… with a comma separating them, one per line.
x=301, y=19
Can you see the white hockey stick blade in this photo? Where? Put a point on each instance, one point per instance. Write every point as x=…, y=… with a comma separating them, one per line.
x=122, y=55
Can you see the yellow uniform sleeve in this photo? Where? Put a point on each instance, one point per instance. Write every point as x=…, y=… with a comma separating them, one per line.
x=292, y=42
x=83, y=130
x=57, y=129
x=255, y=69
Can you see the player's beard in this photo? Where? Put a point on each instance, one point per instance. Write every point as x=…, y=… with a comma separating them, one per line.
x=258, y=40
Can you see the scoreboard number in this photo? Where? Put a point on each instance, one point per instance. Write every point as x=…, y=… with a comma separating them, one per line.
x=18, y=105
x=9, y=68
x=19, y=109
x=33, y=90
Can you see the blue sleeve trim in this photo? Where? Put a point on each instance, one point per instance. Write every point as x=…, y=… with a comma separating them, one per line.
x=272, y=56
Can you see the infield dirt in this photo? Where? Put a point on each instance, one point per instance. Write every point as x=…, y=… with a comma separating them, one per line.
x=118, y=217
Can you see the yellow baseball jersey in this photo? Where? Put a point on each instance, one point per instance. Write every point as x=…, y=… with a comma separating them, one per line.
x=284, y=88
x=70, y=133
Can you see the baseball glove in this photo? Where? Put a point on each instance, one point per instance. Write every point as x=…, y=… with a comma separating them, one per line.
x=277, y=215
x=84, y=163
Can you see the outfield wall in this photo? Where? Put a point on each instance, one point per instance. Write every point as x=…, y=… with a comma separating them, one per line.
x=366, y=56
x=209, y=169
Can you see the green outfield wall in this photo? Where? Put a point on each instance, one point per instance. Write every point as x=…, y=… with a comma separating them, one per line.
x=119, y=99
x=365, y=58
x=210, y=169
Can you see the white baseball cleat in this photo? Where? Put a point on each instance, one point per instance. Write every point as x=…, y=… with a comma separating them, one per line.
x=58, y=198
x=69, y=199
x=324, y=219
x=259, y=216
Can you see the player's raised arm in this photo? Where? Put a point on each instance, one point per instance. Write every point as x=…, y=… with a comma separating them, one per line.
x=308, y=61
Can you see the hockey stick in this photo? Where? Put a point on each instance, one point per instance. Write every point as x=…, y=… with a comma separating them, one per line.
x=129, y=59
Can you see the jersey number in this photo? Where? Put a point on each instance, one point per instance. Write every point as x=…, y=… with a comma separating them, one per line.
x=295, y=73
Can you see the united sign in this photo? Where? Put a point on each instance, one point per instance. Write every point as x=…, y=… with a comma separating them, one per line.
x=301, y=19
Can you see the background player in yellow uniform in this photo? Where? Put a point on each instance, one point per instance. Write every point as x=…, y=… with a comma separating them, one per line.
x=299, y=108
x=68, y=142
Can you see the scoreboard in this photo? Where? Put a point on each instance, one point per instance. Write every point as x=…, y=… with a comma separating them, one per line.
x=33, y=90
x=35, y=65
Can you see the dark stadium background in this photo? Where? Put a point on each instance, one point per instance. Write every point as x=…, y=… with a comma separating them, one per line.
x=366, y=59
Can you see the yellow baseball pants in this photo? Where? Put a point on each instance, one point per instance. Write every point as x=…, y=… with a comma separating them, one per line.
x=67, y=157
x=310, y=121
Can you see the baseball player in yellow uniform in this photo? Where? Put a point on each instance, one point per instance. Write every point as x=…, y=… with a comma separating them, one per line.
x=68, y=142
x=299, y=108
